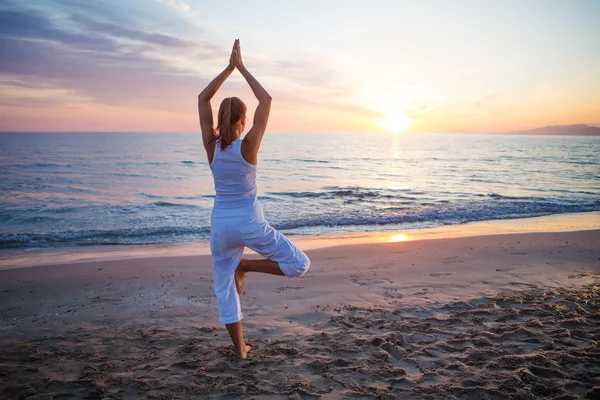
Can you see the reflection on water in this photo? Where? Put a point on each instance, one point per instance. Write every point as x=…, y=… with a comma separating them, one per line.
x=399, y=237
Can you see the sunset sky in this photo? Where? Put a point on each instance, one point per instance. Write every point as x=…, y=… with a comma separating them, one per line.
x=330, y=66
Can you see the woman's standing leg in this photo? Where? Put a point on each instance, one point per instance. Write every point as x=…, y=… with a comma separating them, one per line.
x=226, y=254
x=237, y=337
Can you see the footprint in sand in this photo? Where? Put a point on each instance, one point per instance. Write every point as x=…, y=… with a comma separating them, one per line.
x=392, y=294
x=504, y=269
x=184, y=365
x=438, y=274
x=381, y=265
x=529, y=285
x=422, y=293
x=98, y=300
x=368, y=282
x=555, y=262
x=453, y=260
x=392, y=350
x=287, y=288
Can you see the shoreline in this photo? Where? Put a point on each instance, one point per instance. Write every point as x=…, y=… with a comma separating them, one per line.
x=68, y=255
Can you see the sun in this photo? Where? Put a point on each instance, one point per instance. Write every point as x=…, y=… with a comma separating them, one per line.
x=395, y=122
x=400, y=237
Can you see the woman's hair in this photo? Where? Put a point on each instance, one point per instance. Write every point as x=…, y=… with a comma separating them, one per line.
x=230, y=112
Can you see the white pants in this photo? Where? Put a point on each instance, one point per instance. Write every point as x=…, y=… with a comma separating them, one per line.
x=227, y=242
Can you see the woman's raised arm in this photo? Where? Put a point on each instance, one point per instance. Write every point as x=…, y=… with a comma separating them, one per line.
x=261, y=115
x=209, y=135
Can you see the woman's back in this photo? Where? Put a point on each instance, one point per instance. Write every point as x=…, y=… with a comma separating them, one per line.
x=235, y=184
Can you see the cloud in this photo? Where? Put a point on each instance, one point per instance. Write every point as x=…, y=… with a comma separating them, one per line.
x=121, y=32
x=16, y=93
x=176, y=4
x=97, y=60
x=90, y=35
x=33, y=25
x=93, y=62
x=124, y=78
x=71, y=56
x=488, y=99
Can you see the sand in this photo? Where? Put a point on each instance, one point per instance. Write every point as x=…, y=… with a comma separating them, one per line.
x=497, y=316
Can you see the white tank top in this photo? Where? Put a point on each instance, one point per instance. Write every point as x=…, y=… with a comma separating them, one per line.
x=235, y=185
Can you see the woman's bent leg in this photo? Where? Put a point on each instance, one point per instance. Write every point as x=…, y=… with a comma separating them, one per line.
x=283, y=257
x=265, y=266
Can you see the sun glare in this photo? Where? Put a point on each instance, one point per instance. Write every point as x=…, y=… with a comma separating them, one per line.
x=396, y=122
x=400, y=237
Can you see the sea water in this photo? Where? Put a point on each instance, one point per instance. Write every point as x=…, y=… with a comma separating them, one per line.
x=74, y=189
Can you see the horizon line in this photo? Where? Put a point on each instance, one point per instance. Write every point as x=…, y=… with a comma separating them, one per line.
x=511, y=132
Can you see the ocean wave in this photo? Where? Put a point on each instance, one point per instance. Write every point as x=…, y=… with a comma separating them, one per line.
x=137, y=236
x=441, y=214
x=39, y=165
x=42, y=230
x=129, y=175
x=345, y=193
x=150, y=196
x=37, y=219
x=503, y=197
x=169, y=204
x=312, y=161
x=23, y=214
x=197, y=197
x=582, y=162
x=50, y=165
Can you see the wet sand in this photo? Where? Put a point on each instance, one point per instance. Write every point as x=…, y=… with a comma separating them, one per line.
x=475, y=317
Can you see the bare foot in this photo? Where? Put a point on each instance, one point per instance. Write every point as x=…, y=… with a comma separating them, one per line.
x=240, y=275
x=244, y=353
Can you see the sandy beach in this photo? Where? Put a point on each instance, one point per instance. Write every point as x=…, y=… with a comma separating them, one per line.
x=496, y=316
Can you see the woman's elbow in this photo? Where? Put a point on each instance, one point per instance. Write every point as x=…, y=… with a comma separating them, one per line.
x=205, y=95
x=266, y=99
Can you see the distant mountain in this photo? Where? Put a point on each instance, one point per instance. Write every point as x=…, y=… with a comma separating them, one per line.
x=568, y=130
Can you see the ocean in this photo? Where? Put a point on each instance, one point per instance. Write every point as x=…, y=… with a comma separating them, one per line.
x=82, y=189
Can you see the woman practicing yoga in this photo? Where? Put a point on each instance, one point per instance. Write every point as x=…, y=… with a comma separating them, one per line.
x=237, y=219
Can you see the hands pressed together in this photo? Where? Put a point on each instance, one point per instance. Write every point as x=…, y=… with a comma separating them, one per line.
x=235, y=61
x=261, y=115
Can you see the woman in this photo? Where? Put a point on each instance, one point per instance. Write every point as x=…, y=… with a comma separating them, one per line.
x=237, y=219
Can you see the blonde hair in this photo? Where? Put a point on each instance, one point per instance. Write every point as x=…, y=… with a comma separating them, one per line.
x=232, y=109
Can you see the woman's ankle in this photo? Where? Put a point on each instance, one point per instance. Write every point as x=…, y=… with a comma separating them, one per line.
x=244, y=352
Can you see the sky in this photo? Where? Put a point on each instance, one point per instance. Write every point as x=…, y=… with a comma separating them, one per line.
x=330, y=66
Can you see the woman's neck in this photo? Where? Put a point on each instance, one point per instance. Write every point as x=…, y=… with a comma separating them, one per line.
x=237, y=132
